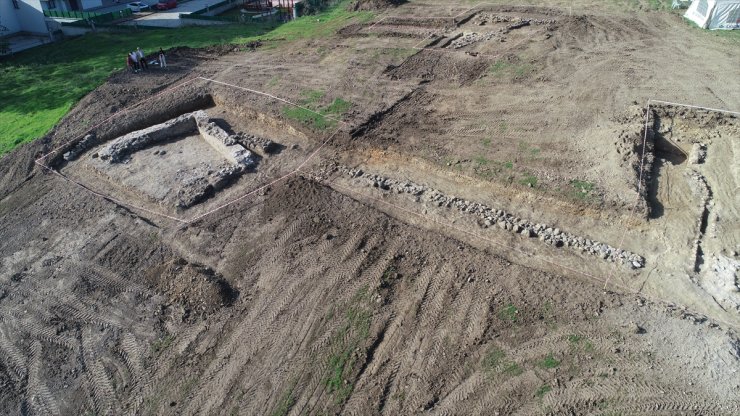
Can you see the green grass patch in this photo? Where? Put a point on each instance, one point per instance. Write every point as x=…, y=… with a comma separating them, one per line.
x=313, y=114
x=581, y=189
x=512, y=369
x=338, y=107
x=481, y=161
x=287, y=400
x=274, y=81
x=529, y=180
x=340, y=364
x=40, y=85
x=188, y=386
x=162, y=343
x=388, y=276
x=349, y=337
x=312, y=118
x=549, y=362
x=542, y=391
x=509, y=165
x=525, y=148
x=498, y=67
x=581, y=342
x=311, y=97
x=493, y=359
x=495, y=362
x=505, y=69
x=664, y=5
x=509, y=313
x=486, y=142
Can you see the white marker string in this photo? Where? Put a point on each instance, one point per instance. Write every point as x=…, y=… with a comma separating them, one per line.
x=642, y=158
x=639, y=187
x=107, y=197
x=293, y=172
x=696, y=106
x=273, y=97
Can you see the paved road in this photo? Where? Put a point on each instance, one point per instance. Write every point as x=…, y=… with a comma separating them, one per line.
x=120, y=6
x=171, y=18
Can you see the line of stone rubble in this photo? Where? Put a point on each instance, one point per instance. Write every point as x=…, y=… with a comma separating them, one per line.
x=700, y=189
x=491, y=217
x=516, y=22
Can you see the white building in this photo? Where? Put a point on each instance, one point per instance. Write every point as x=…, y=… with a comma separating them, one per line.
x=77, y=5
x=25, y=16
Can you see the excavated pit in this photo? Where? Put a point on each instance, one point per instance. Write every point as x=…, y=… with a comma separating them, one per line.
x=692, y=197
x=179, y=163
x=192, y=162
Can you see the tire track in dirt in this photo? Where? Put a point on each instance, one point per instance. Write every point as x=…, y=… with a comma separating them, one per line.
x=365, y=279
x=311, y=301
x=31, y=321
x=100, y=384
x=339, y=272
x=12, y=357
x=252, y=327
x=39, y=397
x=131, y=353
x=106, y=280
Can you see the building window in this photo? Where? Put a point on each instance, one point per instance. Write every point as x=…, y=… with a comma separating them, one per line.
x=15, y=4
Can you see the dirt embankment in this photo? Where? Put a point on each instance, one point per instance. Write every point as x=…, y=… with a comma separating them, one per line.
x=374, y=4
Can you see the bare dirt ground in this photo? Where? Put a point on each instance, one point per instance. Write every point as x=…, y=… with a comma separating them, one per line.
x=501, y=223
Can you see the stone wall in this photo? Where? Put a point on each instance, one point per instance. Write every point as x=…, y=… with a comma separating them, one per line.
x=492, y=217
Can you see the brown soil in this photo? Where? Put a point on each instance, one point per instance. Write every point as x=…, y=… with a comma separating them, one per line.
x=327, y=293
x=374, y=4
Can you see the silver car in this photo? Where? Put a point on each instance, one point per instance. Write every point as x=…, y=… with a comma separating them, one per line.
x=138, y=6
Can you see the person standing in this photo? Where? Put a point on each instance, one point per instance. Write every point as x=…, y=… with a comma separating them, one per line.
x=142, y=59
x=135, y=58
x=162, y=59
x=130, y=63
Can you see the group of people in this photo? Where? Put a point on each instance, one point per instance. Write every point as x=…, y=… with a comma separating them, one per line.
x=136, y=60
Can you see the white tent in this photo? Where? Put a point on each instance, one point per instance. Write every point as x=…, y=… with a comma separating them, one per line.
x=715, y=14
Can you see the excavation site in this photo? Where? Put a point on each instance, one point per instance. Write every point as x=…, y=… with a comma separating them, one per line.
x=431, y=207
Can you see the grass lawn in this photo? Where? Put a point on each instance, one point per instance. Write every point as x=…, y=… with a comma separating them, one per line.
x=40, y=85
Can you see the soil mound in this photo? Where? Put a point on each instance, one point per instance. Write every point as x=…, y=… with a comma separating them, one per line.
x=375, y=4
x=196, y=288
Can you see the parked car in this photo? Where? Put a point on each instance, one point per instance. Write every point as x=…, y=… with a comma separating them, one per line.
x=138, y=6
x=166, y=4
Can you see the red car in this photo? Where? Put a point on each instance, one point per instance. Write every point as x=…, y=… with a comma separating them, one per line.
x=165, y=4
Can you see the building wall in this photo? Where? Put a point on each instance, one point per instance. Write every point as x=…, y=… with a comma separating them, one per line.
x=9, y=18
x=89, y=4
x=29, y=17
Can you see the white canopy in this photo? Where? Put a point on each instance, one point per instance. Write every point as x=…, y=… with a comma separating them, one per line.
x=715, y=14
